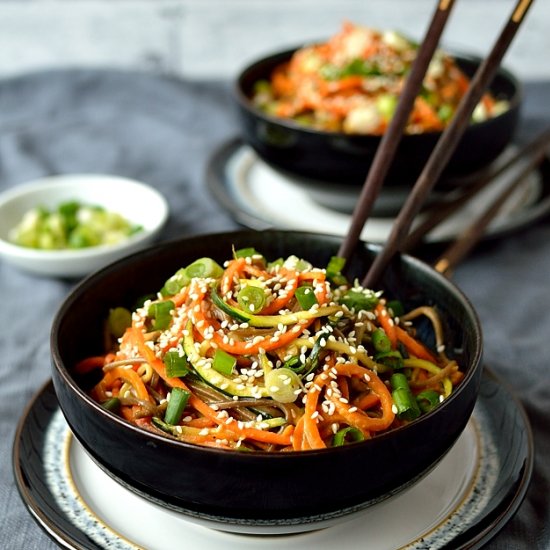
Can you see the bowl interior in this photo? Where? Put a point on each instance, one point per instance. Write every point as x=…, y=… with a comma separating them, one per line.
x=231, y=487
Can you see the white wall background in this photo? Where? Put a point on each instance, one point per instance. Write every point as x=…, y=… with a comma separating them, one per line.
x=214, y=38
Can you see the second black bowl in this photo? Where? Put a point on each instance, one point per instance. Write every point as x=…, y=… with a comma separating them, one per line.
x=342, y=158
x=260, y=491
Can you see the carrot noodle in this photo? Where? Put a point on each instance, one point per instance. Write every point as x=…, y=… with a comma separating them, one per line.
x=291, y=375
x=351, y=84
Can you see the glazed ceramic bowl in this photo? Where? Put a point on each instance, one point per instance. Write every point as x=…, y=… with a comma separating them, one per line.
x=137, y=202
x=259, y=492
x=310, y=155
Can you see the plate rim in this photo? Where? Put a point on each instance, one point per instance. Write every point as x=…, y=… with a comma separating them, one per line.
x=216, y=182
x=66, y=534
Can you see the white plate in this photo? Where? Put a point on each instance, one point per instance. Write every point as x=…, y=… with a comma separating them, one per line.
x=260, y=197
x=462, y=503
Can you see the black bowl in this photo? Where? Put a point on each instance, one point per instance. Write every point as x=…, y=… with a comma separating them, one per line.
x=259, y=492
x=342, y=158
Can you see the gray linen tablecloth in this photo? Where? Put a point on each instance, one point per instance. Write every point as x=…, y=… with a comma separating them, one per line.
x=163, y=131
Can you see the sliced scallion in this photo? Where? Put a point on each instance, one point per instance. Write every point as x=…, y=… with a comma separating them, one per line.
x=176, y=405
x=204, y=267
x=176, y=364
x=348, y=435
x=359, y=299
x=306, y=297
x=118, y=321
x=160, y=313
x=404, y=400
x=175, y=283
x=334, y=270
x=251, y=298
x=223, y=362
x=283, y=385
x=245, y=252
x=427, y=400
x=294, y=364
x=112, y=404
x=380, y=341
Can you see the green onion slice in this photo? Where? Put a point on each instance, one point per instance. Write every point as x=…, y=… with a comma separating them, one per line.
x=176, y=364
x=175, y=283
x=176, y=405
x=359, y=299
x=118, y=321
x=380, y=341
x=427, y=400
x=334, y=270
x=306, y=297
x=348, y=435
x=283, y=385
x=404, y=400
x=223, y=362
x=245, y=252
x=160, y=313
x=251, y=298
x=112, y=404
x=204, y=267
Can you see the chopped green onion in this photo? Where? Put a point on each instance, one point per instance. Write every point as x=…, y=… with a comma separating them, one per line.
x=176, y=405
x=112, y=404
x=160, y=313
x=176, y=282
x=223, y=362
x=380, y=341
x=306, y=297
x=427, y=400
x=348, y=435
x=334, y=270
x=386, y=105
x=176, y=364
x=359, y=299
x=396, y=307
x=294, y=364
x=407, y=407
x=118, y=321
x=283, y=385
x=445, y=112
x=204, y=267
x=251, y=298
x=392, y=359
x=245, y=252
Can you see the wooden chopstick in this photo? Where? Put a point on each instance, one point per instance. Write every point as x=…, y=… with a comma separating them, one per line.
x=446, y=145
x=391, y=138
x=464, y=243
x=534, y=149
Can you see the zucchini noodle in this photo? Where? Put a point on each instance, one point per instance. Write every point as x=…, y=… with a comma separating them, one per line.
x=269, y=356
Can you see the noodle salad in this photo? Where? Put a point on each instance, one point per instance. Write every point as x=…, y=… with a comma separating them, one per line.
x=352, y=82
x=269, y=356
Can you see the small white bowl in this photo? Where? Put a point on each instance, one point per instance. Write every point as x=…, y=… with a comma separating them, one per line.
x=137, y=202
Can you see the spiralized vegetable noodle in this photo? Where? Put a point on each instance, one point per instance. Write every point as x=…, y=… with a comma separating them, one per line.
x=352, y=82
x=269, y=356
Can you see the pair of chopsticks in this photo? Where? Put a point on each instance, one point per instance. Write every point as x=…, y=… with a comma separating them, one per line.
x=529, y=156
x=444, y=147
